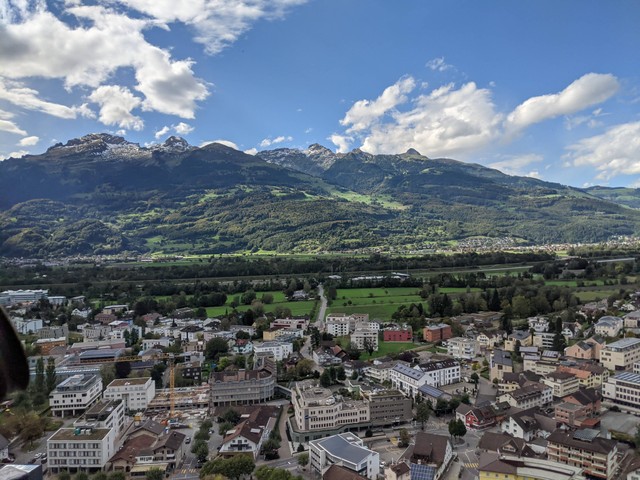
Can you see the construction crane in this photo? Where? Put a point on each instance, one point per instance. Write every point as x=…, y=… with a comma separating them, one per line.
x=170, y=357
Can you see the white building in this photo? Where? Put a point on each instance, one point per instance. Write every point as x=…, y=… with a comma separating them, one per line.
x=279, y=350
x=363, y=338
x=609, y=326
x=80, y=449
x=75, y=394
x=532, y=395
x=10, y=297
x=623, y=389
x=344, y=449
x=26, y=327
x=406, y=379
x=443, y=372
x=339, y=325
x=539, y=324
x=459, y=347
x=135, y=393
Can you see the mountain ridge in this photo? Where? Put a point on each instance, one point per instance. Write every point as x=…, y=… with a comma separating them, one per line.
x=102, y=194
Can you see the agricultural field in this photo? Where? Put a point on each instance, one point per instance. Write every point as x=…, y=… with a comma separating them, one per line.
x=298, y=308
x=379, y=303
x=385, y=348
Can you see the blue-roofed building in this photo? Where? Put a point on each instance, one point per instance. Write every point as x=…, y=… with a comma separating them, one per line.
x=432, y=395
x=346, y=450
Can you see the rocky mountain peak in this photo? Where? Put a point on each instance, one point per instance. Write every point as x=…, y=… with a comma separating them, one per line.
x=176, y=143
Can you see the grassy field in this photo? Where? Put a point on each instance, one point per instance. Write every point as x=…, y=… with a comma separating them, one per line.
x=385, y=348
x=379, y=303
x=592, y=295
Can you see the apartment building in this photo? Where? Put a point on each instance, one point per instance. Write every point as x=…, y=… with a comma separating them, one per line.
x=75, y=394
x=588, y=349
x=388, y=407
x=586, y=449
x=364, y=338
x=85, y=449
x=279, y=350
x=523, y=336
x=397, y=335
x=135, y=393
x=407, y=379
x=509, y=467
x=241, y=387
x=317, y=409
x=104, y=414
x=341, y=324
x=532, y=395
x=436, y=333
x=609, y=326
x=561, y=383
x=346, y=450
x=621, y=355
x=460, y=347
x=441, y=372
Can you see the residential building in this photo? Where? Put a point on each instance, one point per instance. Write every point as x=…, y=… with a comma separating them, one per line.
x=632, y=319
x=84, y=449
x=432, y=395
x=338, y=472
x=346, y=450
x=522, y=336
x=538, y=324
x=488, y=340
x=147, y=449
x=249, y=435
x=192, y=371
x=400, y=471
x=589, y=374
x=543, y=340
x=279, y=350
x=441, y=372
x=290, y=323
x=532, y=395
x=460, y=347
x=510, y=467
x=476, y=418
x=609, y=326
x=135, y=393
x=316, y=409
x=103, y=414
x=75, y=394
x=397, y=335
x=623, y=389
x=561, y=383
x=407, y=379
x=437, y=332
x=528, y=424
x=340, y=324
x=381, y=372
x=241, y=387
x=501, y=363
x=584, y=448
x=620, y=355
x=365, y=338
x=588, y=349
x=430, y=456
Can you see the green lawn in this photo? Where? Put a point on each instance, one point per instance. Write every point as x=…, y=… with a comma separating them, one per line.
x=385, y=348
x=379, y=303
x=591, y=295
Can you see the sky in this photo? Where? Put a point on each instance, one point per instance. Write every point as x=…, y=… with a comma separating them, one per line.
x=544, y=88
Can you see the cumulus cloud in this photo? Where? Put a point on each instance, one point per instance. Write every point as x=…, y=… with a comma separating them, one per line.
x=6, y=125
x=29, y=141
x=116, y=104
x=364, y=113
x=590, y=89
x=518, y=165
x=267, y=142
x=16, y=154
x=28, y=98
x=615, y=152
x=183, y=128
x=251, y=151
x=228, y=143
x=162, y=132
x=342, y=142
x=438, y=64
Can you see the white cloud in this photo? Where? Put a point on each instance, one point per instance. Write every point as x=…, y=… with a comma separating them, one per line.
x=162, y=132
x=228, y=143
x=183, y=128
x=217, y=23
x=445, y=122
x=91, y=52
x=28, y=98
x=588, y=90
x=438, y=64
x=29, y=141
x=518, y=165
x=589, y=120
x=251, y=151
x=267, y=142
x=342, y=142
x=116, y=104
x=16, y=154
x=615, y=152
x=364, y=113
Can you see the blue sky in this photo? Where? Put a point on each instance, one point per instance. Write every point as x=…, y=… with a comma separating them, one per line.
x=549, y=89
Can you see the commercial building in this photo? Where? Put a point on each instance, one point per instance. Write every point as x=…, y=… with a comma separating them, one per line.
x=620, y=355
x=561, y=383
x=135, y=393
x=80, y=449
x=397, y=335
x=387, y=407
x=609, y=326
x=509, y=467
x=241, y=387
x=346, y=450
x=586, y=449
x=75, y=394
x=589, y=374
x=441, y=372
x=623, y=389
x=460, y=347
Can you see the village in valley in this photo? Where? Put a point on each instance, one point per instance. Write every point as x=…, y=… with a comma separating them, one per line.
x=470, y=385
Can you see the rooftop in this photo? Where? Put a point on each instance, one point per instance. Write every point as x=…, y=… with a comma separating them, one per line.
x=80, y=434
x=345, y=446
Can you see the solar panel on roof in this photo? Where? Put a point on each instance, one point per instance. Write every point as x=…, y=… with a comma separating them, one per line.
x=586, y=434
x=422, y=472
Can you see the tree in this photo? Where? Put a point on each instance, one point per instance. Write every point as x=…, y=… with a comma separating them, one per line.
x=64, y=475
x=224, y=428
x=123, y=369
x=202, y=452
x=51, y=380
x=475, y=378
x=108, y=373
x=340, y=373
x=422, y=413
x=270, y=449
x=39, y=382
x=325, y=379
x=231, y=416
x=81, y=476
x=404, y=438
x=457, y=428
x=215, y=347
x=303, y=459
x=117, y=476
x=234, y=467
x=154, y=474
x=636, y=438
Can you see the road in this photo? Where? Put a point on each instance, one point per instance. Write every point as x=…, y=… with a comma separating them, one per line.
x=323, y=307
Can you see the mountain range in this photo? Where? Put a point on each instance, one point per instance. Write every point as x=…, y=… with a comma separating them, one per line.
x=101, y=194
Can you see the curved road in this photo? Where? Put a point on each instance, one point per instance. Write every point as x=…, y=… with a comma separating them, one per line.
x=323, y=307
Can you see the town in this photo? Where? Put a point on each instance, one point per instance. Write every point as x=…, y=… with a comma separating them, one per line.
x=478, y=388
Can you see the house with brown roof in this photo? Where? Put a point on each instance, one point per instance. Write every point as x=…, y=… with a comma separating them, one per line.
x=398, y=471
x=248, y=436
x=338, y=472
x=476, y=418
x=504, y=444
x=164, y=451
